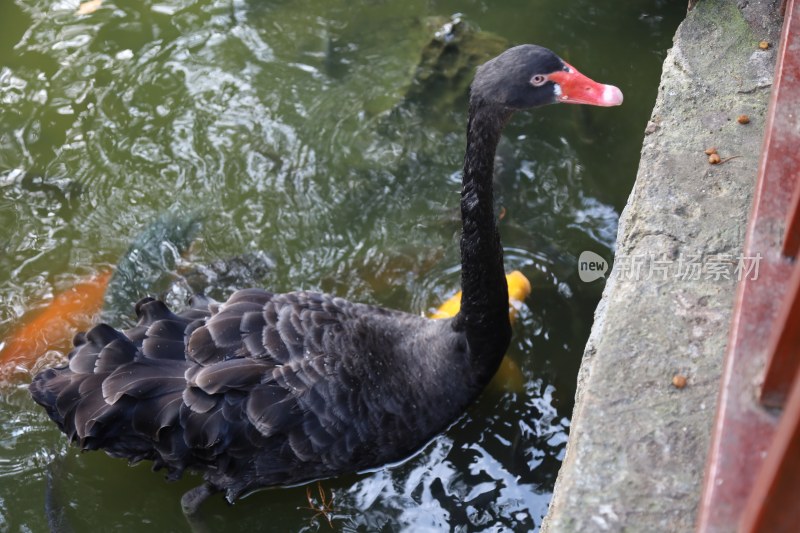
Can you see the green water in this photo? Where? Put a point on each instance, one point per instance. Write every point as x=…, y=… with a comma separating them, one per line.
x=286, y=127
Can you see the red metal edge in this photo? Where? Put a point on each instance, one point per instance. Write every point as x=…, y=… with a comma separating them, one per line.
x=742, y=428
x=782, y=348
x=791, y=244
x=772, y=506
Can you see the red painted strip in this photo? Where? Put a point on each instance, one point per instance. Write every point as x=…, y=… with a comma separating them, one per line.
x=782, y=349
x=743, y=429
x=791, y=245
x=772, y=507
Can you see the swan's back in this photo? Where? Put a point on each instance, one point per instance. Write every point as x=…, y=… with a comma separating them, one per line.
x=265, y=389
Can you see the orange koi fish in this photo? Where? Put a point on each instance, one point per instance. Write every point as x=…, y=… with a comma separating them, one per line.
x=54, y=327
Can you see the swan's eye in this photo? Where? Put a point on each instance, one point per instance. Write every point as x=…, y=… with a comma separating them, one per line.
x=538, y=80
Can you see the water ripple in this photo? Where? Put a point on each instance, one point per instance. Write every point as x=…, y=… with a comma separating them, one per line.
x=287, y=126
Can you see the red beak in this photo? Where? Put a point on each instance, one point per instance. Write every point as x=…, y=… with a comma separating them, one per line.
x=578, y=89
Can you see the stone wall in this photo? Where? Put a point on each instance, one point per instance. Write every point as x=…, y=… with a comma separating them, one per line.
x=638, y=443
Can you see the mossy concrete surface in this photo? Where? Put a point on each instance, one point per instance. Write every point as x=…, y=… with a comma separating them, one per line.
x=638, y=443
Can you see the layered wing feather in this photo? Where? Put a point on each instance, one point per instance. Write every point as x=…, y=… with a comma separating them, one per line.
x=264, y=389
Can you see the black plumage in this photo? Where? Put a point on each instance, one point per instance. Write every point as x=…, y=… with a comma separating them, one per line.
x=274, y=389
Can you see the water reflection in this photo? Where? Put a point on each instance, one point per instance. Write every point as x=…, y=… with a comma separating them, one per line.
x=463, y=482
x=289, y=127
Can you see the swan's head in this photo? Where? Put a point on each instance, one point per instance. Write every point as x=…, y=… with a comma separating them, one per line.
x=531, y=76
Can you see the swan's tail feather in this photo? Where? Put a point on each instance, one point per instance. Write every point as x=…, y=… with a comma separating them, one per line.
x=123, y=392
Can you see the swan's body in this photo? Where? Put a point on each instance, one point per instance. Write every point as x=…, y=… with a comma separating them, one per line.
x=276, y=389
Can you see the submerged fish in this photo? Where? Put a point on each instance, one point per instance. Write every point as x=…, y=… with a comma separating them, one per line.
x=509, y=376
x=152, y=254
x=52, y=328
x=519, y=288
x=142, y=269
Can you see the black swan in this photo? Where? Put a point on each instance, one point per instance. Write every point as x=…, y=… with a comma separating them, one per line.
x=278, y=389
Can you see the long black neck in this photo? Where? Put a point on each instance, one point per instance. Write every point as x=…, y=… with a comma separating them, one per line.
x=484, y=300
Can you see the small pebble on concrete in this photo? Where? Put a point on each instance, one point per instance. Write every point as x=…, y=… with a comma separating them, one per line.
x=679, y=381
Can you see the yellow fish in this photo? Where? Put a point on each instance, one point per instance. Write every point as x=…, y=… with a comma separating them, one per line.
x=509, y=375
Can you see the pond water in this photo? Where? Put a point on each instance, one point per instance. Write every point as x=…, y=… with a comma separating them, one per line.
x=297, y=133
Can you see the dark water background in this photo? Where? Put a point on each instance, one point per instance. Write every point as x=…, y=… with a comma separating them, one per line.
x=286, y=126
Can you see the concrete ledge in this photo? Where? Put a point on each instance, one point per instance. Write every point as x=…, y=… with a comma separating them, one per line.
x=638, y=444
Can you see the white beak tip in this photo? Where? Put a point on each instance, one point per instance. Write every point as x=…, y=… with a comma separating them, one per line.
x=612, y=95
